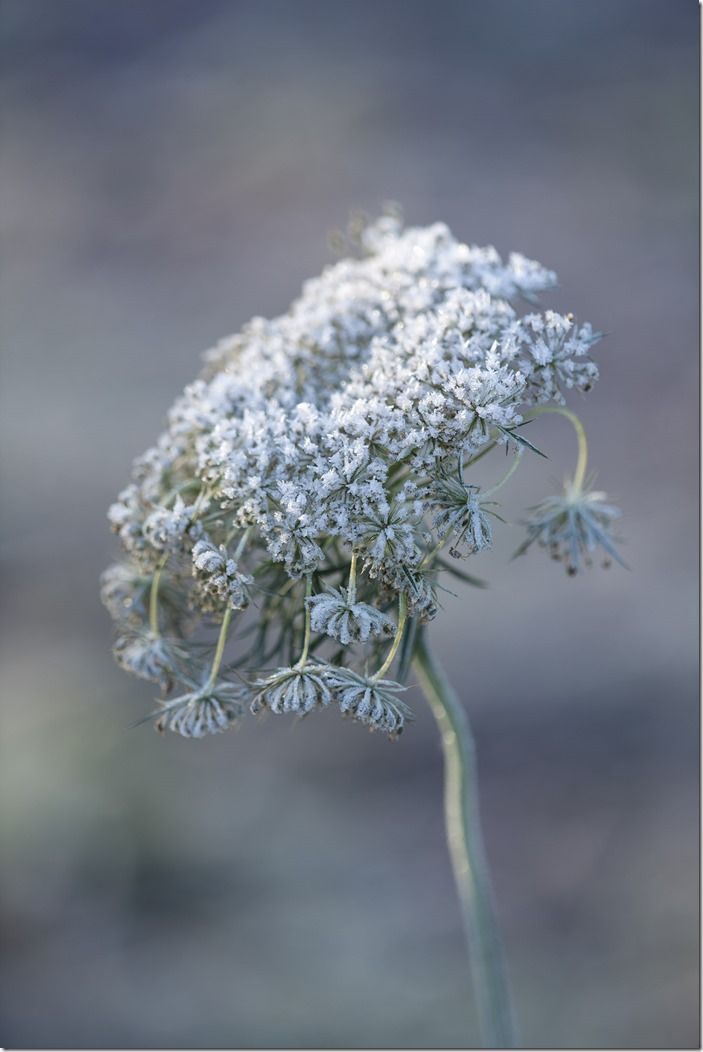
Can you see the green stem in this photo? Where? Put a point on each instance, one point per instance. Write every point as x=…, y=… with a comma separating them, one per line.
x=509, y=473
x=306, y=640
x=351, y=583
x=220, y=649
x=430, y=556
x=468, y=854
x=402, y=617
x=582, y=462
x=154, y=598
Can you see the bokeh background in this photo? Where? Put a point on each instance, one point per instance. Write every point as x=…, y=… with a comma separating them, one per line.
x=168, y=169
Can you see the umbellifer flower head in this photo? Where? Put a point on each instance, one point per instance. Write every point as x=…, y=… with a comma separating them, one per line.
x=460, y=515
x=206, y=710
x=150, y=655
x=309, y=479
x=338, y=616
x=573, y=527
x=372, y=701
x=296, y=690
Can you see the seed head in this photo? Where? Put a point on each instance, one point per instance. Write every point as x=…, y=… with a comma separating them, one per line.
x=573, y=527
x=335, y=615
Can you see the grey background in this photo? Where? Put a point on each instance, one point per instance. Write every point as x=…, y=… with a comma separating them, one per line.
x=169, y=169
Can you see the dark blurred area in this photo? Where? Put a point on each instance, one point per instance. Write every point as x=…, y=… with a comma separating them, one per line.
x=168, y=169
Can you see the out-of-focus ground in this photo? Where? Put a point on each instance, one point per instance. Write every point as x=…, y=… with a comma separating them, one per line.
x=169, y=169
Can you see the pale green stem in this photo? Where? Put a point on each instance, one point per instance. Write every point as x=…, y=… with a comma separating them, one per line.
x=154, y=598
x=582, y=462
x=220, y=649
x=468, y=855
x=351, y=584
x=242, y=542
x=513, y=467
x=201, y=499
x=306, y=640
x=402, y=617
x=429, y=558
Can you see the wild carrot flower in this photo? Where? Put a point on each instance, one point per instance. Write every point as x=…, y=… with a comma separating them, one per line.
x=309, y=479
x=305, y=488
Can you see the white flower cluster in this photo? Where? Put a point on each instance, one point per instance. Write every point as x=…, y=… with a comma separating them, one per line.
x=318, y=465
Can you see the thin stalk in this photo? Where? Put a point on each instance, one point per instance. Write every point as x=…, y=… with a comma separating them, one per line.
x=351, y=584
x=402, y=617
x=306, y=640
x=582, y=462
x=430, y=556
x=468, y=854
x=154, y=599
x=509, y=473
x=220, y=649
x=242, y=544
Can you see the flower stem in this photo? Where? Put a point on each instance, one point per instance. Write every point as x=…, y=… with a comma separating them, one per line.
x=468, y=854
x=509, y=473
x=351, y=583
x=154, y=598
x=220, y=649
x=582, y=462
x=242, y=544
x=306, y=640
x=402, y=617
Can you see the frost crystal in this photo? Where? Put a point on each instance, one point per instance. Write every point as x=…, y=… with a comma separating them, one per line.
x=345, y=429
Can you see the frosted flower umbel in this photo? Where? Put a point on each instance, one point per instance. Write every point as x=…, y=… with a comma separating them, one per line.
x=573, y=527
x=295, y=511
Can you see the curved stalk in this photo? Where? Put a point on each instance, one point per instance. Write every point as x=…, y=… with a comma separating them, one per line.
x=468, y=854
x=582, y=462
x=508, y=475
x=402, y=618
x=220, y=649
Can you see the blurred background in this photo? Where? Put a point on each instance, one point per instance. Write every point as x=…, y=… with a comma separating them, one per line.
x=170, y=168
